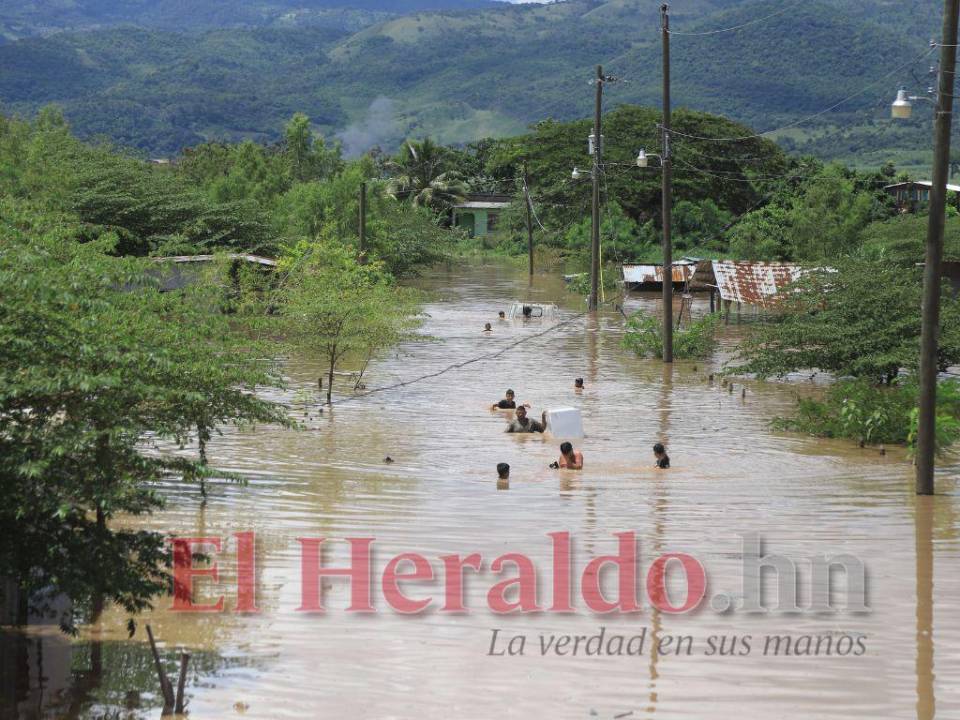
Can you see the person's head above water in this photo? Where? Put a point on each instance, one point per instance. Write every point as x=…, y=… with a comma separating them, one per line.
x=509, y=395
x=488, y=326
x=660, y=453
x=566, y=448
x=502, y=315
x=503, y=470
x=578, y=383
x=521, y=412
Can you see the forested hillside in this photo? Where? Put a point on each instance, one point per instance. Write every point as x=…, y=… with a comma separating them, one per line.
x=465, y=74
x=25, y=19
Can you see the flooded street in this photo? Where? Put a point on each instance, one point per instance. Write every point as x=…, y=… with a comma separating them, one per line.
x=731, y=476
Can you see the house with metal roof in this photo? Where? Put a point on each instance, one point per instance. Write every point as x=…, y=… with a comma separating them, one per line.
x=909, y=195
x=479, y=213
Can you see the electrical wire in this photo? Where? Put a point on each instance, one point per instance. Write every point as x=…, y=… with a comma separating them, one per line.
x=769, y=178
x=781, y=11
x=814, y=116
x=456, y=366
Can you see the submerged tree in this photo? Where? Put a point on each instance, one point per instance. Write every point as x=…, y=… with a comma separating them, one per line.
x=859, y=319
x=93, y=360
x=339, y=309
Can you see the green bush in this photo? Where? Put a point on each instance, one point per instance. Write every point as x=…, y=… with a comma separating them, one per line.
x=697, y=340
x=874, y=414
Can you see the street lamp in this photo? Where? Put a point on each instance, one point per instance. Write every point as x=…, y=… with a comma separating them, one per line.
x=643, y=159
x=902, y=107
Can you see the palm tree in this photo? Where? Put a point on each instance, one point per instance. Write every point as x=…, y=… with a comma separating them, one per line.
x=420, y=173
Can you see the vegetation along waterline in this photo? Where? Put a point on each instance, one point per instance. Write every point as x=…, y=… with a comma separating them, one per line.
x=150, y=307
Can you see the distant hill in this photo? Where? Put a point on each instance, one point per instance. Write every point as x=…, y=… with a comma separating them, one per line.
x=22, y=18
x=467, y=73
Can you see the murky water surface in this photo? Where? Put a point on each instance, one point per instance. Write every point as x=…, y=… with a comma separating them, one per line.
x=731, y=476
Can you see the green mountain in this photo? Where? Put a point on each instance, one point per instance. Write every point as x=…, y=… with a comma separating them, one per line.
x=465, y=74
x=23, y=18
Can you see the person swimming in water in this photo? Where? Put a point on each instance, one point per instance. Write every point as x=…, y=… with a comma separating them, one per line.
x=508, y=402
x=570, y=459
x=523, y=424
x=578, y=384
x=488, y=328
x=503, y=471
x=660, y=453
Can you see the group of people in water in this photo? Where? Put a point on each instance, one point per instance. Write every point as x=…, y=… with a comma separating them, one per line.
x=570, y=458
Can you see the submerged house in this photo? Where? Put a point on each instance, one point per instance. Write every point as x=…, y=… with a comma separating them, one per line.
x=479, y=213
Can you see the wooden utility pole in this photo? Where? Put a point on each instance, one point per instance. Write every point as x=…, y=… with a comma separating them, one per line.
x=363, y=223
x=528, y=202
x=926, y=429
x=667, y=192
x=597, y=159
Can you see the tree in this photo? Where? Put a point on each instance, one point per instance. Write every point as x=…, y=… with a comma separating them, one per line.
x=860, y=320
x=697, y=339
x=92, y=360
x=339, y=309
x=421, y=173
x=402, y=236
x=308, y=156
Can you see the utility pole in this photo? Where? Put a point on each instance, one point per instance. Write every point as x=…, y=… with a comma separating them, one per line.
x=526, y=198
x=926, y=430
x=667, y=192
x=363, y=224
x=597, y=159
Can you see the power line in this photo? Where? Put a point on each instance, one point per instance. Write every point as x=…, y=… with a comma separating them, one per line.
x=814, y=116
x=770, y=178
x=781, y=11
x=471, y=361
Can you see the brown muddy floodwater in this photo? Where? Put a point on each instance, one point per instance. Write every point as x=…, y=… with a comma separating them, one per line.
x=731, y=476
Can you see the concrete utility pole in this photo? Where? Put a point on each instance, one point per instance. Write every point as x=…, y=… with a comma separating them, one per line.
x=526, y=198
x=597, y=159
x=667, y=192
x=926, y=431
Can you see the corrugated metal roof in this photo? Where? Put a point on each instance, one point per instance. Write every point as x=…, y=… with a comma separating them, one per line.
x=180, y=259
x=754, y=283
x=652, y=274
x=481, y=205
x=924, y=183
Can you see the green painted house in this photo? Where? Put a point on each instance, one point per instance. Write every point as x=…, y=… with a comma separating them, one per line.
x=479, y=213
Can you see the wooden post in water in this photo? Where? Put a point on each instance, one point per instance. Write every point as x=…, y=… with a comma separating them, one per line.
x=166, y=689
x=930, y=326
x=667, y=191
x=528, y=202
x=182, y=682
x=362, y=247
x=595, y=215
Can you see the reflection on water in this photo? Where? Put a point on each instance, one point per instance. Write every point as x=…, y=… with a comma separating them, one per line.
x=926, y=694
x=731, y=475
x=45, y=675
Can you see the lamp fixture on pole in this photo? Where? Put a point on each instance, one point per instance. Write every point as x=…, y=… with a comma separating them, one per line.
x=643, y=158
x=902, y=107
